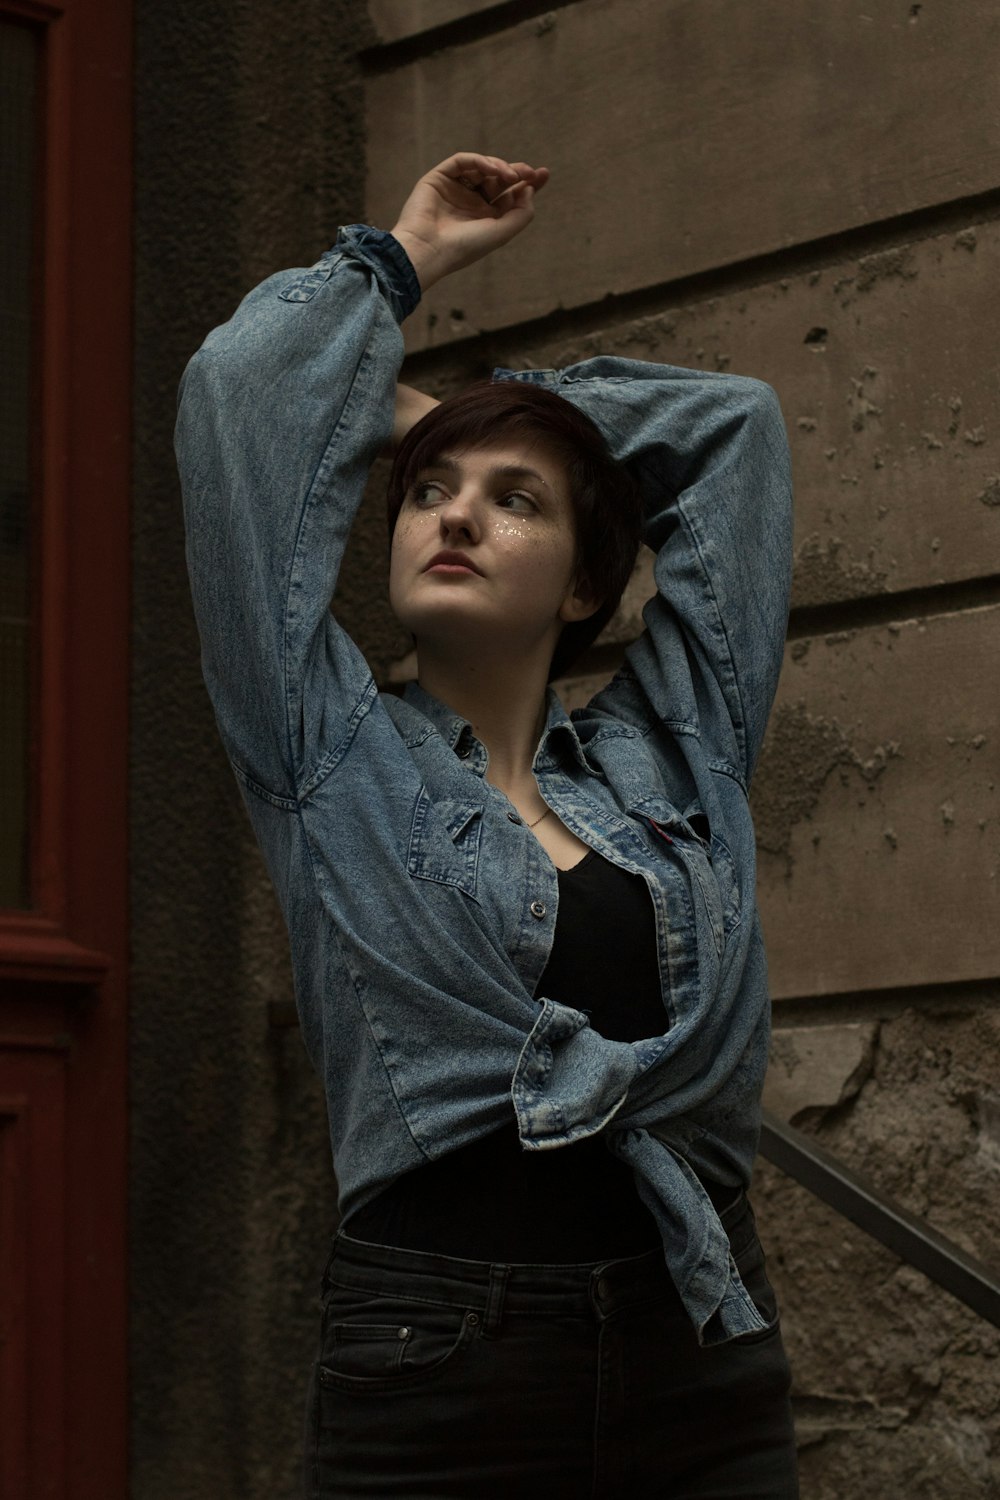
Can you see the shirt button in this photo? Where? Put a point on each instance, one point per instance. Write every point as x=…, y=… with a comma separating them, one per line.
x=513, y=817
x=538, y=909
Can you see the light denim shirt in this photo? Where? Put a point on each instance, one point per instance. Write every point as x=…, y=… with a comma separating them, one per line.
x=420, y=908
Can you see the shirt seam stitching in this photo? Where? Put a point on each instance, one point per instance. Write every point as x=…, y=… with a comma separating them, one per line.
x=312, y=498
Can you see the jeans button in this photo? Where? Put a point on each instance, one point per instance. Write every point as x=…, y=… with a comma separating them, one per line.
x=538, y=909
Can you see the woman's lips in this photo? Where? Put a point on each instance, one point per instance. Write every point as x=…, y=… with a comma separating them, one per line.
x=451, y=562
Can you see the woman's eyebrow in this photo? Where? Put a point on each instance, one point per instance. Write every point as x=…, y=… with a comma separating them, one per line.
x=495, y=471
x=516, y=471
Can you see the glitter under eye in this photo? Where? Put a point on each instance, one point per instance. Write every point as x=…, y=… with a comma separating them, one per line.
x=512, y=526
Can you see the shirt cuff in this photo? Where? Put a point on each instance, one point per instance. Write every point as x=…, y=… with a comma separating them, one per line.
x=390, y=262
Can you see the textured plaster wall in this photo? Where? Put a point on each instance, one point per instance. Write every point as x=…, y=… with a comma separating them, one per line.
x=821, y=231
x=250, y=147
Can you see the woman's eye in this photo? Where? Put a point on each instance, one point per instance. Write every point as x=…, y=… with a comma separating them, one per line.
x=426, y=493
x=517, y=500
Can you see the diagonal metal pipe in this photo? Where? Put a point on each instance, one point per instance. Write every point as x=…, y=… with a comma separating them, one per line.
x=911, y=1238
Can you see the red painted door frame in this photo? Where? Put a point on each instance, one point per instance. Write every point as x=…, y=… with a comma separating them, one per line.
x=63, y=963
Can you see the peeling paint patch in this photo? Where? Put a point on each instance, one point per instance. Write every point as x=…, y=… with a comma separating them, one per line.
x=818, y=1416
x=648, y=335
x=800, y=754
x=990, y=493
x=887, y=263
x=825, y=573
x=987, y=1117
x=861, y=403
x=966, y=240
x=815, y=1069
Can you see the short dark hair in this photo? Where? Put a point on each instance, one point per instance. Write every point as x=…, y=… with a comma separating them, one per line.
x=606, y=505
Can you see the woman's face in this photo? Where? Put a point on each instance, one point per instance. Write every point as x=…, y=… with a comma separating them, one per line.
x=484, y=550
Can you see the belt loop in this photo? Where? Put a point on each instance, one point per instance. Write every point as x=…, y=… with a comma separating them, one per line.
x=326, y=1282
x=494, y=1301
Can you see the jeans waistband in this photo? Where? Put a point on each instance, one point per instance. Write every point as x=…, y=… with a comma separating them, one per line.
x=488, y=1288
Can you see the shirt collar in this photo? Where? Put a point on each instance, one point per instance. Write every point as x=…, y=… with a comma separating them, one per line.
x=559, y=737
x=449, y=725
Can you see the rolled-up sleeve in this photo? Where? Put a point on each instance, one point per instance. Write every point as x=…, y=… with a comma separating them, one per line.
x=281, y=413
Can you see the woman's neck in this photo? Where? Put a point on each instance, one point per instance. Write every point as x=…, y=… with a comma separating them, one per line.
x=505, y=702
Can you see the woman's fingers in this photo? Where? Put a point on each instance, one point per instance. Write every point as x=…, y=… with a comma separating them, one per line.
x=490, y=176
x=536, y=176
x=530, y=181
x=473, y=166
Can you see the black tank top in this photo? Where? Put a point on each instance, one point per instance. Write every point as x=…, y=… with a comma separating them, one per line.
x=492, y=1200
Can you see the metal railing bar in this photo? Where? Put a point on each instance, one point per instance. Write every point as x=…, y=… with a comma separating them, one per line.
x=911, y=1238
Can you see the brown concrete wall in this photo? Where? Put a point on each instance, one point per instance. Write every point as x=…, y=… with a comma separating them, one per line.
x=696, y=133
x=250, y=151
x=814, y=199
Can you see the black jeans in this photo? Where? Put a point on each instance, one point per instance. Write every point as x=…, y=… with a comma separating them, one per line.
x=444, y=1379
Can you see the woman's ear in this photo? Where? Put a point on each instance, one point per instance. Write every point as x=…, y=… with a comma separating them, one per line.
x=580, y=603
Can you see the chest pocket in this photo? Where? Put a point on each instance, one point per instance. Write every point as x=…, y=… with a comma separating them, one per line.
x=444, y=841
x=707, y=859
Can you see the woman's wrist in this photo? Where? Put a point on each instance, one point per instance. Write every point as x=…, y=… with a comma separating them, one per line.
x=411, y=405
x=425, y=260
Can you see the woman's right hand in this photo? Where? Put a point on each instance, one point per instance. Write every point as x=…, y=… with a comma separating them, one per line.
x=462, y=209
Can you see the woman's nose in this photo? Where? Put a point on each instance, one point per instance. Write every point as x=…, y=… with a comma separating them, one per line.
x=459, y=518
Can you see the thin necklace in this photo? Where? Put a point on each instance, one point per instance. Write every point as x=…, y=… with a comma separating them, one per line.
x=540, y=817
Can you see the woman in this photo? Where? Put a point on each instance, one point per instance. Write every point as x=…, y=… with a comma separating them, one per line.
x=527, y=957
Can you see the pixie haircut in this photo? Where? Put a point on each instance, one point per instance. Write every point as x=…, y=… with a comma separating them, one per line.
x=607, y=511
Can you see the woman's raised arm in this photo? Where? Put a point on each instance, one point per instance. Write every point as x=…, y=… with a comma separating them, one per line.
x=710, y=456
x=282, y=412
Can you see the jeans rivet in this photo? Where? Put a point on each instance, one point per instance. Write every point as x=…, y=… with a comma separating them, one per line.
x=472, y=1319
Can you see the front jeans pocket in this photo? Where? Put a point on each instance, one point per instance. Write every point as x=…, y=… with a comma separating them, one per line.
x=373, y=1343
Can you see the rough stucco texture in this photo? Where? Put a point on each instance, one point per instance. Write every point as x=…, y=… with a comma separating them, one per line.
x=896, y=1383
x=249, y=153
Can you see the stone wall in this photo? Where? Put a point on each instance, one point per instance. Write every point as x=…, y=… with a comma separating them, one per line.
x=250, y=151
x=813, y=199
